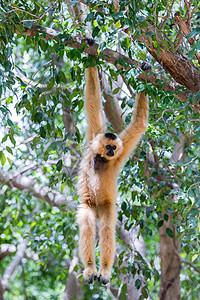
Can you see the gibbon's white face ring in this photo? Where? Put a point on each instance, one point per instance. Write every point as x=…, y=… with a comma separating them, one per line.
x=105, y=147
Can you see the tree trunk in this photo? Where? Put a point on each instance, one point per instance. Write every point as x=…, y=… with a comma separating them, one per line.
x=170, y=265
x=170, y=247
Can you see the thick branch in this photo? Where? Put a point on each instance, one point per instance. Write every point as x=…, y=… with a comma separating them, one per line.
x=14, y=263
x=179, y=67
x=6, y=250
x=40, y=191
x=119, y=60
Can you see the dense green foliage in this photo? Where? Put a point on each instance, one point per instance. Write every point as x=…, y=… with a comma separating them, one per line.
x=41, y=87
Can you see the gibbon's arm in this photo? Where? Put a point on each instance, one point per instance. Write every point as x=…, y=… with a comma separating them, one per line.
x=93, y=106
x=131, y=135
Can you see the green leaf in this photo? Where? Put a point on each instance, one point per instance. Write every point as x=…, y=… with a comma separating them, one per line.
x=42, y=132
x=116, y=90
x=9, y=150
x=28, y=24
x=4, y=138
x=123, y=295
x=169, y=232
x=43, y=45
x=144, y=292
x=9, y=160
x=138, y=284
x=10, y=123
x=59, y=165
x=63, y=185
x=178, y=117
x=51, y=83
x=3, y=159
x=38, y=117
x=166, y=217
x=160, y=223
x=95, y=32
x=194, y=257
x=62, y=76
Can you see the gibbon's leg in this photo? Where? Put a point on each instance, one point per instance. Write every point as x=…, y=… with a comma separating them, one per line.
x=107, y=216
x=86, y=218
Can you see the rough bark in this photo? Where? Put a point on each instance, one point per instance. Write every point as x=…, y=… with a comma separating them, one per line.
x=179, y=67
x=170, y=247
x=170, y=265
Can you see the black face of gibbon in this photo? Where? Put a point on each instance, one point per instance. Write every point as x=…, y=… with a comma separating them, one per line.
x=110, y=149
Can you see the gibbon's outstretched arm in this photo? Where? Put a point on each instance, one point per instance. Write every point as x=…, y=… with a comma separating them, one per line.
x=131, y=135
x=93, y=106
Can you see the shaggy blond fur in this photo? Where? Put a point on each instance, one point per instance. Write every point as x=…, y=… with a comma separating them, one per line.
x=97, y=186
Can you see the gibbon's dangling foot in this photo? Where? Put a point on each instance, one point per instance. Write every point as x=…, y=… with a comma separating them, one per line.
x=97, y=185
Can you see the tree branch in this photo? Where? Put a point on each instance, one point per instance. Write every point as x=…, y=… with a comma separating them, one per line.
x=6, y=250
x=40, y=191
x=14, y=263
x=179, y=67
x=119, y=60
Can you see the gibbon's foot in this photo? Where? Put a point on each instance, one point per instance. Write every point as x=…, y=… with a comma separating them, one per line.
x=89, y=273
x=104, y=276
x=145, y=66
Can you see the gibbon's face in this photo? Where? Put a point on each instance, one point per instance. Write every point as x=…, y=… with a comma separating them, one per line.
x=108, y=145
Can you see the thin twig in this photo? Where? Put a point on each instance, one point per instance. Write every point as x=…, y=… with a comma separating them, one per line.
x=47, y=11
x=19, y=9
x=169, y=11
x=191, y=265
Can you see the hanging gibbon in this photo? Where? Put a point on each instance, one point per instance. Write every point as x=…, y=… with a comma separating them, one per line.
x=97, y=184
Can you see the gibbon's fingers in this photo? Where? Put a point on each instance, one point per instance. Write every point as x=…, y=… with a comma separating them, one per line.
x=86, y=218
x=132, y=134
x=93, y=106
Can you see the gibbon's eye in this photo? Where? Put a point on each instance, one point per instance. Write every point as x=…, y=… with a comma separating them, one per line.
x=108, y=147
x=114, y=147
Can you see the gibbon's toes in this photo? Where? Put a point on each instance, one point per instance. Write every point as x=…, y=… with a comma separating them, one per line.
x=88, y=274
x=104, y=276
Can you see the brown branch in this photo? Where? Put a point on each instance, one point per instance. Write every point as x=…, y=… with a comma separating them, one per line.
x=179, y=67
x=120, y=60
x=186, y=30
x=191, y=265
x=40, y=191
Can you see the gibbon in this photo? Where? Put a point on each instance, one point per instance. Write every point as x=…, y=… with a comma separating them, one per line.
x=97, y=184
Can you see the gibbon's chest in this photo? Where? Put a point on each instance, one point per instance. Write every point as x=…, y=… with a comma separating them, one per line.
x=100, y=164
x=101, y=178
